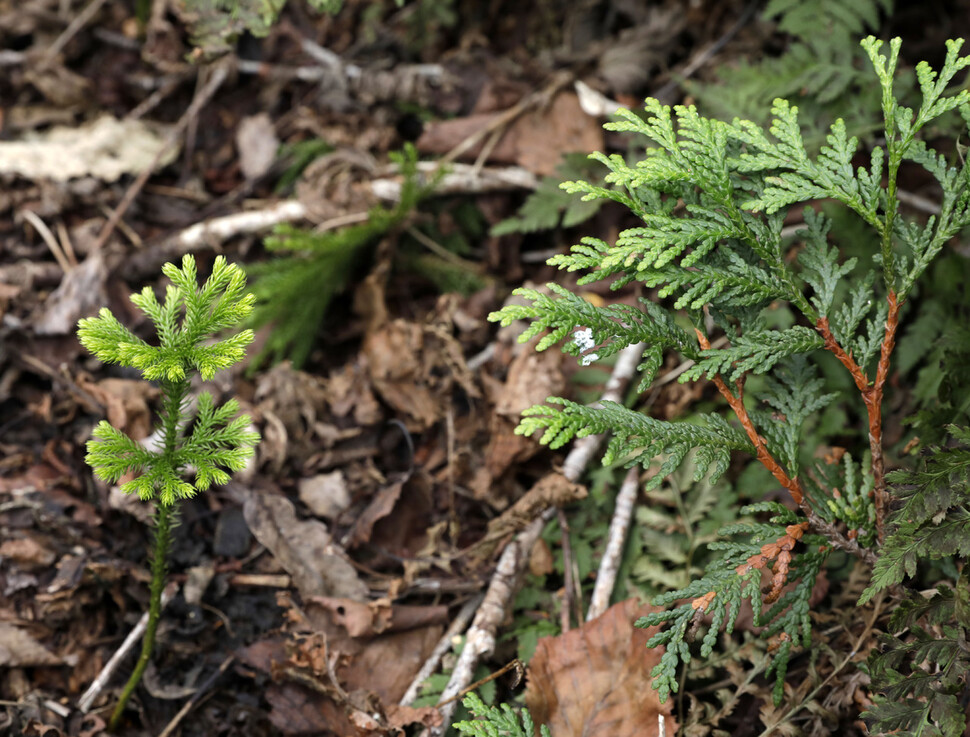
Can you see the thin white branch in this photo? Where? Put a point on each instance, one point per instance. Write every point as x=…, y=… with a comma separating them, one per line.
x=94, y=690
x=444, y=645
x=220, y=229
x=514, y=559
x=615, y=539
x=583, y=449
x=461, y=179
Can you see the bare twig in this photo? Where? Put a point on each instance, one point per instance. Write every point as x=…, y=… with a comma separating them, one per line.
x=48, y=237
x=218, y=230
x=517, y=665
x=481, y=635
x=219, y=75
x=152, y=101
x=64, y=238
x=444, y=645
x=568, y=599
x=97, y=686
x=462, y=179
x=615, y=539
x=196, y=697
x=80, y=20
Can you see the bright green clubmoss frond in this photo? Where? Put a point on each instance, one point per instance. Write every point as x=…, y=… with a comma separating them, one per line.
x=186, y=322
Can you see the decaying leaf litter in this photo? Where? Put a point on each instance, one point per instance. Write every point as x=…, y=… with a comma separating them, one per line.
x=390, y=494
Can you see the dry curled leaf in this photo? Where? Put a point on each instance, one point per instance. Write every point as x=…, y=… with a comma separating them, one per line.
x=594, y=681
x=377, y=617
x=325, y=494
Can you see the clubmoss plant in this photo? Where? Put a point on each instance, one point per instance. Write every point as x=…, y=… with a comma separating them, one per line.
x=218, y=440
x=713, y=198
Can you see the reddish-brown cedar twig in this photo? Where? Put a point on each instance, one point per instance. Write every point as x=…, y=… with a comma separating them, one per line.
x=761, y=450
x=829, y=530
x=872, y=394
x=778, y=551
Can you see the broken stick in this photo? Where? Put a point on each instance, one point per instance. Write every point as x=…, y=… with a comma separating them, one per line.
x=480, y=640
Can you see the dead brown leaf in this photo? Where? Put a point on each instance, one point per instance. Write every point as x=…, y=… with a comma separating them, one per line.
x=35, y=728
x=303, y=547
x=393, y=361
x=28, y=552
x=380, y=506
x=126, y=402
x=378, y=617
x=532, y=377
x=297, y=403
x=80, y=293
x=535, y=140
x=594, y=681
x=400, y=716
x=333, y=683
x=257, y=143
x=325, y=494
x=295, y=710
x=19, y=649
x=348, y=391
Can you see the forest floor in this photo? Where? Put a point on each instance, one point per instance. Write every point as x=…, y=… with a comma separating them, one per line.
x=307, y=594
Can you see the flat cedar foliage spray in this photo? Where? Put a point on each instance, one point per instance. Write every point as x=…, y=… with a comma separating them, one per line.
x=712, y=198
x=185, y=323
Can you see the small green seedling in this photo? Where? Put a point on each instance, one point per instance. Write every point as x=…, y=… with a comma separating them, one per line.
x=185, y=323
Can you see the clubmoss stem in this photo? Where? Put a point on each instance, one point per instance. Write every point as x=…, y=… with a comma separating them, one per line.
x=165, y=515
x=164, y=521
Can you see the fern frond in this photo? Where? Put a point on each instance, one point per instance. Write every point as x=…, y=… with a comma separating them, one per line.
x=934, y=520
x=922, y=680
x=811, y=18
x=549, y=206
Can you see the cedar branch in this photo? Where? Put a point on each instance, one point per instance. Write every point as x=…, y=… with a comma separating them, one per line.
x=779, y=551
x=761, y=450
x=872, y=394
